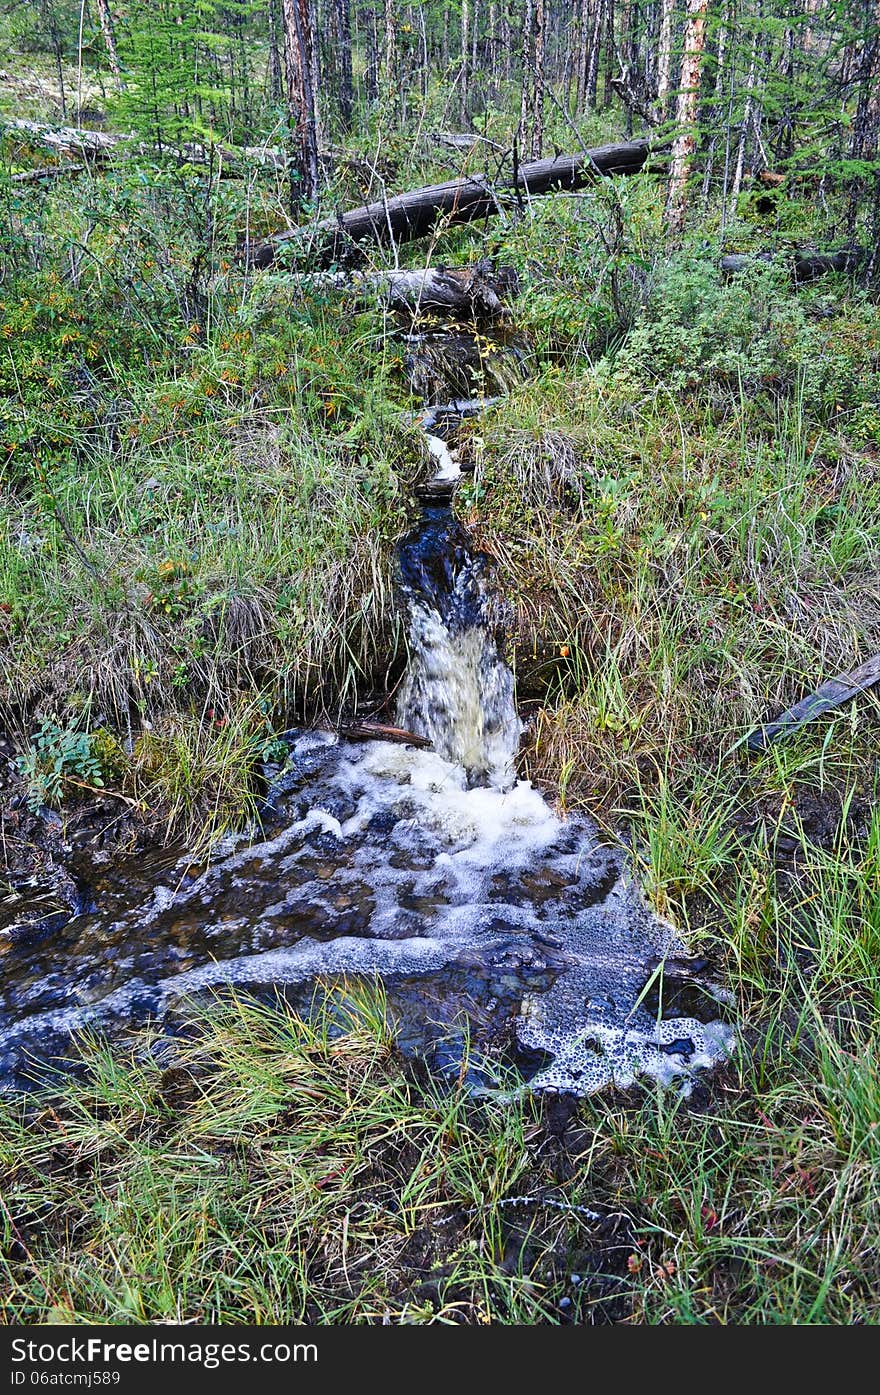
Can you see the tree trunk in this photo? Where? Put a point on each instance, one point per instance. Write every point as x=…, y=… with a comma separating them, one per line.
x=275, y=84
x=106, y=22
x=592, y=80
x=608, y=82
x=805, y=265
x=389, y=48
x=342, y=13
x=686, y=108
x=863, y=142
x=532, y=98
x=47, y=13
x=525, y=101
x=537, y=143
x=301, y=96
x=371, y=75
x=664, y=57
x=465, y=65
x=744, y=126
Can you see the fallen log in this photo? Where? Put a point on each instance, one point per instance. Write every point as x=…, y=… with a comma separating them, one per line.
x=462, y=140
x=805, y=265
x=475, y=292
x=66, y=141
x=408, y=216
x=48, y=172
x=99, y=147
x=831, y=694
x=378, y=731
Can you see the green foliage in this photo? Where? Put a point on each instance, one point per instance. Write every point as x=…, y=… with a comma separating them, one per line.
x=585, y=264
x=190, y=72
x=755, y=333
x=58, y=754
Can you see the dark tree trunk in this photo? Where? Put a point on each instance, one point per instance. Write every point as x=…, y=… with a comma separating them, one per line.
x=863, y=142
x=275, y=84
x=299, y=63
x=342, y=22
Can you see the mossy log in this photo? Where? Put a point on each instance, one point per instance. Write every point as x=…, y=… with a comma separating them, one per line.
x=476, y=293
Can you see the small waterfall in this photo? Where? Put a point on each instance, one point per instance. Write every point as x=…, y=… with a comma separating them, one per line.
x=458, y=690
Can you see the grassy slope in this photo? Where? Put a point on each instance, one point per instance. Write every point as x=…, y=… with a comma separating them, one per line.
x=685, y=524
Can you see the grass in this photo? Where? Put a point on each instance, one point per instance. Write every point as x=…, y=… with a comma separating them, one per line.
x=282, y=1169
x=290, y=1168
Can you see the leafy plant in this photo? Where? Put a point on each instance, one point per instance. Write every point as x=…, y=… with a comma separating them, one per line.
x=58, y=754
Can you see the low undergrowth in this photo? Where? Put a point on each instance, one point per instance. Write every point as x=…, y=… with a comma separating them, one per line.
x=291, y=1169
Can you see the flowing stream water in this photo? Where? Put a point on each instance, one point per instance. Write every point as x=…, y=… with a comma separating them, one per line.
x=434, y=869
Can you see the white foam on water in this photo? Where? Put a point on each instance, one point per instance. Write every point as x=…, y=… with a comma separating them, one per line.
x=438, y=860
x=458, y=692
x=448, y=468
x=443, y=875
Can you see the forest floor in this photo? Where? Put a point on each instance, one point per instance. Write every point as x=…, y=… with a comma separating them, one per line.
x=204, y=482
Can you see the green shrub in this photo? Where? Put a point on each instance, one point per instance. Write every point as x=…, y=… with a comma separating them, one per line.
x=754, y=332
x=55, y=755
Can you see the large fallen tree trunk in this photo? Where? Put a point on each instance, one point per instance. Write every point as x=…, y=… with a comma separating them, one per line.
x=406, y=217
x=805, y=265
x=46, y=174
x=477, y=292
x=66, y=141
x=99, y=147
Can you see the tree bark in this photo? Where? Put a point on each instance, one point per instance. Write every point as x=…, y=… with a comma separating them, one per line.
x=389, y=47
x=664, y=57
x=465, y=66
x=477, y=293
x=805, y=264
x=532, y=98
x=275, y=84
x=744, y=126
x=414, y=214
x=686, y=109
x=537, y=144
x=299, y=41
x=106, y=21
x=342, y=14
x=592, y=79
